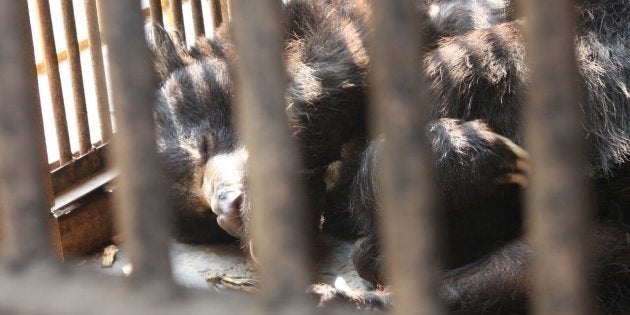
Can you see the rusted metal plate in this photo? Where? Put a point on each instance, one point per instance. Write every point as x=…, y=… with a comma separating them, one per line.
x=82, y=217
x=80, y=170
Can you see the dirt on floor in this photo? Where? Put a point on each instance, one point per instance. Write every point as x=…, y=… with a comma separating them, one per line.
x=225, y=267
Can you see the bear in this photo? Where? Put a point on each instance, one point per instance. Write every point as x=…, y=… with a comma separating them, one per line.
x=326, y=63
x=193, y=119
x=197, y=138
x=475, y=136
x=477, y=79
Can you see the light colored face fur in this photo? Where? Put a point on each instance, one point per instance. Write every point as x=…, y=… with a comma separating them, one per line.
x=223, y=188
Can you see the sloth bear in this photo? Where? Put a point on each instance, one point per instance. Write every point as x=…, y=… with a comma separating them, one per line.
x=477, y=81
x=196, y=135
x=477, y=74
x=193, y=121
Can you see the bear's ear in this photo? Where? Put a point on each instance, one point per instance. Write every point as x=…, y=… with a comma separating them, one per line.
x=207, y=146
x=168, y=54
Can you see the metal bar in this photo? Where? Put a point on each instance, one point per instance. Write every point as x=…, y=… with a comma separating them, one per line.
x=178, y=18
x=558, y=204
x=409, y=206
x=38, y=117
x=99, y=13
x=143, y=206
x=62, y=56
x=197, y=14
x=96, y=53
x=156, y=11
x=92, y=293
x=82, y=220
x=23, y=184
x=218, y=12
x=81, y=169
x=260, y=105
x=40, y=291
x=54, y=81
x=76, y=76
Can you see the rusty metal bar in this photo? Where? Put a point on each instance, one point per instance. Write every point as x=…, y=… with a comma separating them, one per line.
x=74, y=59
x=46, y=291
x=54, y=81
x=178, y=18
x=274, y=183
x=23, y=183
x=99, y=13
x=96, y=53
x=156, y=11
x=42, y=291
x=38, y=117
x=81, y=169
x=558, y=205
x=143, y=206
x=197, y=14
x=409, y=206
x=219, y=12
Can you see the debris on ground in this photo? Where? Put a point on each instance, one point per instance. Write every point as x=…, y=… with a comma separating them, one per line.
x=109, y=256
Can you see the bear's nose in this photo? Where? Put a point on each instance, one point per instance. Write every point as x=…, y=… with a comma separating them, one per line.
x=229, y=202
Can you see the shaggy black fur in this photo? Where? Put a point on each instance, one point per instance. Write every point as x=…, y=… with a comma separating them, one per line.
x=475, y=64
x=478, y=78
x=193, y=104
x=195, y=120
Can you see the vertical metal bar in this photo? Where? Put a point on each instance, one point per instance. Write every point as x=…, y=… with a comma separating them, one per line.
x=178, y=18
x=96, y=53
x=99, y=13
x=557, y=200
x=218, y=12
x=2, y=220
x=78, y=93
x=156, y=11
x=54, y=81
x=261, y=81
x=143, y=204
x=409, y=206
x=38, y=117
x=197, y=15
x=22, y=180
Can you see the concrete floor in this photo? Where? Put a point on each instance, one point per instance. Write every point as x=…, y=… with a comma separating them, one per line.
x=227, y=267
